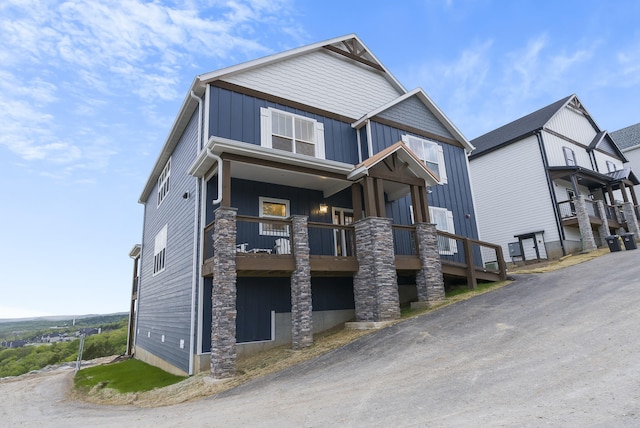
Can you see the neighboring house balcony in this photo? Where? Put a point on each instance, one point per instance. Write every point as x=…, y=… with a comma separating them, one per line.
x=613, y=214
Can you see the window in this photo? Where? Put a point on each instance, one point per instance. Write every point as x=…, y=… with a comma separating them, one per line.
x=443, y=220
x=163, y=182
x=292, y=133
x=430, y=152
x=160, y=250
x=611, y=167
x=569, y=156
x=274, y=208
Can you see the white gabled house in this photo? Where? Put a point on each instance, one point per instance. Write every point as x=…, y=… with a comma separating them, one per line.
x=552, y=183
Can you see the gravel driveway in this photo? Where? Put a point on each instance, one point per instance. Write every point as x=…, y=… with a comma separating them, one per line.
x=554, y=349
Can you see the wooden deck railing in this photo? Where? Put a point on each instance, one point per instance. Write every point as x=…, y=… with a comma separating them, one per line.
x=257, y=241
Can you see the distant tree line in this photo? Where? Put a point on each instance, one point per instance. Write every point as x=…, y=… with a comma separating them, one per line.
x=14, y=362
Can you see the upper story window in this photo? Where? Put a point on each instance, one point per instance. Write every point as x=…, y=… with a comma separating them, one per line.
x=163, y=182
x=611, y=167
x=159, y=250
x=430, y=152
x=274, y=208
x=291, y=132
x=569, y=156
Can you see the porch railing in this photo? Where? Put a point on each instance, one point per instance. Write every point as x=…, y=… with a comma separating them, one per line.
x=404, y=240
x=567, y=209
x=326, y=239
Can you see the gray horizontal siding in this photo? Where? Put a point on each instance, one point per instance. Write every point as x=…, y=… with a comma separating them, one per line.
x=237, y=116
x=414, y=113
x=164, y=305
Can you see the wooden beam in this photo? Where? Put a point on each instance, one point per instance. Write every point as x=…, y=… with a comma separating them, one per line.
x=226, y=183
x=623, y=189
x=424, y=201
x=356, y=201
x=354, y=57
x=369, y=197
x=379, y=185
x=633, y=196
x=416, y=203
x=471, y=268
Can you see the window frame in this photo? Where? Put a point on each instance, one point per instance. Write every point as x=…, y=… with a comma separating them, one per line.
x=569, y=156
x=442, y=170
x=611, y=164
x=450, y=228
x=261, y=230
x=160, y=251
x=267, y=134
x=164, y=183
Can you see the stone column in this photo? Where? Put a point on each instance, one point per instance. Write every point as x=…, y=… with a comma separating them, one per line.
x=632, y=220
x=588, y=242
x=301, y=303
x=223, y=295
x=375, y=286
x=603, y=229
x=429, y=281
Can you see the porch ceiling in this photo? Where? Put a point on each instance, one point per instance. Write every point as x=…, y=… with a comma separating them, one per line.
x=585, y=177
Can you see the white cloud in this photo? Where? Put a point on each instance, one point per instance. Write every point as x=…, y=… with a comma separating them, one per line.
x=79, y=63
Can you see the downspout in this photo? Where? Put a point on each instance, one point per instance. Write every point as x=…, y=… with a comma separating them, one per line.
x=554, y=200
x=196, y=228
x=218, y=159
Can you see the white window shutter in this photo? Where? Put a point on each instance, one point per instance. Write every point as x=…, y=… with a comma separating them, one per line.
x=320, y=140
x=442, y=170
x=265, y=127
x=451, y=229
x=405, y=139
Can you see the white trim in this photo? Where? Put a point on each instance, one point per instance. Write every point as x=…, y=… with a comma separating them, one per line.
x=442, y=169
x=160, y=251
x=267, y=132
x=447, y=227
x=343, y=235
x=369, y=139
x=164, y=183
x=285, y=202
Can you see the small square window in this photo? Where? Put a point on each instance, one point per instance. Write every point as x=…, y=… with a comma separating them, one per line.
x=430, y=153
x=611, y=167
x=159, y=251
x=277, y=209
x=163, y=182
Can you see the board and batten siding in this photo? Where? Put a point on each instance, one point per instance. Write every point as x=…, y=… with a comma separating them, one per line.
x=164, y=304
x=322, y=79
x=572, y=124
x=512, y=195
x=237, y=117
x=602, y=158
x=455, y=195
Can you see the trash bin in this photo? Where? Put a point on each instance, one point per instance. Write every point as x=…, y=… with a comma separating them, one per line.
x=629, y=241
x=613, y=242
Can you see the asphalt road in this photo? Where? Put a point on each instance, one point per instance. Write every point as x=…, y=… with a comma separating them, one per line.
x=554, y=349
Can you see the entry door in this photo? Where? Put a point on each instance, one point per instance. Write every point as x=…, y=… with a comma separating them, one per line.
x=343, y=238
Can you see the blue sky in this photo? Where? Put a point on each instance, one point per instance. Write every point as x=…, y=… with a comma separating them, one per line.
x=89, y=89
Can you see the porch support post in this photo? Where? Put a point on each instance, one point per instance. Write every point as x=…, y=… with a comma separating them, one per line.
x=417, y=203
x=429, y=281
x=301, y=305
x=375, y=285
x=633, y=195
x=623, y=190
x=632, y=220
x=226, y=183
x=612, y=200
x=603, y=229
x=369, y=197
x=588, y=241
x=356, y=200
x=223, y=295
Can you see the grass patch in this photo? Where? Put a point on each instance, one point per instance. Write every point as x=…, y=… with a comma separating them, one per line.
x=126, y=376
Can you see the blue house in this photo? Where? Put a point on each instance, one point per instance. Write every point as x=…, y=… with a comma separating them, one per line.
x=294, y=193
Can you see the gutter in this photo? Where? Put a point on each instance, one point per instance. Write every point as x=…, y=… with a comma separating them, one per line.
x=552, y=193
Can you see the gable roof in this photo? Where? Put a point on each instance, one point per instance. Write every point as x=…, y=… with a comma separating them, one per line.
x=606, y=143
x=415, y=165
x=627, y=138
x=429, y=104
x=517, y=129
x=349, y=46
